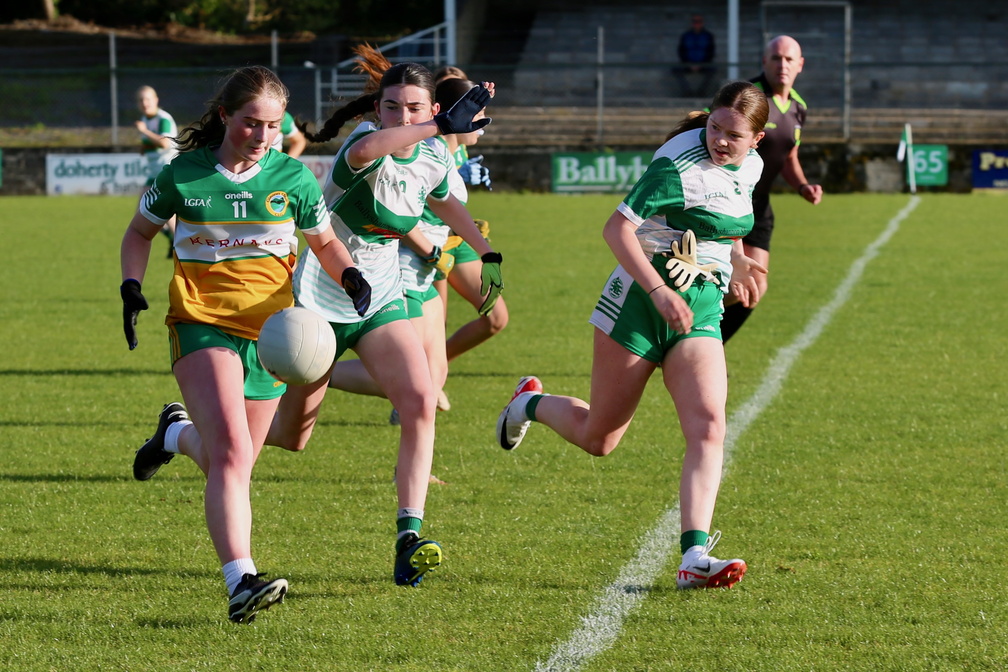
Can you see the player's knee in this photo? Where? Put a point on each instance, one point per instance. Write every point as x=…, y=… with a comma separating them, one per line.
x=292, y=441
x=418, y=406
x=287, y=433
x=235, y=461
x=439, y=373
x=600, y=446
x=498, y=317
x=705, y=435
x=295, y=446
x=496, y=321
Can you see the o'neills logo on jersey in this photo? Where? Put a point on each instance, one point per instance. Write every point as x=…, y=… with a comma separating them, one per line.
x=277, y=203
x=197, y=202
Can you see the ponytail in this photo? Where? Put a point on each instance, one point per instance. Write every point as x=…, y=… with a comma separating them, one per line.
x=695, y=119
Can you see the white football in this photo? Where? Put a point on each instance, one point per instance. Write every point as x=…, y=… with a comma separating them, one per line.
x=296, y=346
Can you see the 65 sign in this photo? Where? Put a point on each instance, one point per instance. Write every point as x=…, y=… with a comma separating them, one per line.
x=930, y=165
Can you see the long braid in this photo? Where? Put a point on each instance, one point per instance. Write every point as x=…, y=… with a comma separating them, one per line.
x=334, y=123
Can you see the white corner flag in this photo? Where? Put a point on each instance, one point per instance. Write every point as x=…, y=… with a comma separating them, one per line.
x=905, y=151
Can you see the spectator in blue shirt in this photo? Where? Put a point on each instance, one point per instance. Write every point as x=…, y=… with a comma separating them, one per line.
x=696, y=56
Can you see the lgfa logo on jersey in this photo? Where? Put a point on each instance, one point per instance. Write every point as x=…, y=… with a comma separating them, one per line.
x=277, y=203
x=616, y=288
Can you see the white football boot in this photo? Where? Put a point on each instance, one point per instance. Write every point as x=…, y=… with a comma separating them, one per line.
x=512, y=423
x=699, y=569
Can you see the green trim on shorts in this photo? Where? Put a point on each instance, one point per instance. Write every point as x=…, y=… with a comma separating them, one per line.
x=185, y=338
x=348, y=335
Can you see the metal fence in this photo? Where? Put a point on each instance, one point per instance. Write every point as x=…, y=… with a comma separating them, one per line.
x=95, y=85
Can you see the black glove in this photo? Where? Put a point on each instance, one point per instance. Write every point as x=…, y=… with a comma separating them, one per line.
x=133, y=303
x=358, y=289
x=459, y=119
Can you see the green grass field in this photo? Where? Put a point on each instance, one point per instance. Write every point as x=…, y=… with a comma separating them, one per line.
x=868, y=497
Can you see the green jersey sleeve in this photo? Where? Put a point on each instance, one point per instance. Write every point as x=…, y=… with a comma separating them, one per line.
x=659, y=191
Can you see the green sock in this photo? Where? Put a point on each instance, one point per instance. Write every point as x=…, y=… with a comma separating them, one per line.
x=530, y=407
x=408, y=521
x=691, y=538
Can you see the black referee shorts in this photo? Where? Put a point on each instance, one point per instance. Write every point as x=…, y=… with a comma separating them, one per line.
x=763, y=226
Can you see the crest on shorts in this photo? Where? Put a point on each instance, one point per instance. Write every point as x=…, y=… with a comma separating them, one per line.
x=616, y=288
x=277, y=203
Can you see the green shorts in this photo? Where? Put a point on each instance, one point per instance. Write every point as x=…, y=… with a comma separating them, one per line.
x=348, y=335
x=416, y=300
x=185, y=338
x=625, y=312
x=465, y=253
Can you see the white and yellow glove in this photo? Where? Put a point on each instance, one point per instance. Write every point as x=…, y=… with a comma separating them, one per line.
x=484, y=228
x=443, y=261
x=446, y=263
x=683, y=267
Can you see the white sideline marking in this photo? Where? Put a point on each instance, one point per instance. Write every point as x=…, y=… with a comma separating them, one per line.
x=600, y=629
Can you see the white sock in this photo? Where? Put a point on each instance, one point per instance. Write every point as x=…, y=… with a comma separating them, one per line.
x=172, y=434
x=412, y=513
x=235, y=570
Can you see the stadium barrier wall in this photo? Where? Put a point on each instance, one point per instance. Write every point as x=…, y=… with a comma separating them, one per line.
x=840, y=168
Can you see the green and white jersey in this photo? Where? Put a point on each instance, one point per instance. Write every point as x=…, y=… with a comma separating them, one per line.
x=164, y=124
x=682, y=190
x=286, y=128
x=461, y=155
x=372, y=208
x=417, y=274
x=235, y=237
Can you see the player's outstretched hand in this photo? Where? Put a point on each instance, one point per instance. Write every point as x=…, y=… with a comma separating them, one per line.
x=491, y=282
x=133, y=302
x=357, y=288
x=474, y=173
x=459, y=119
x=748, y=281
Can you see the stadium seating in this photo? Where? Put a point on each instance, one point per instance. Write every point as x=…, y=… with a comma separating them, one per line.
x=904, y=53
x=575, y=127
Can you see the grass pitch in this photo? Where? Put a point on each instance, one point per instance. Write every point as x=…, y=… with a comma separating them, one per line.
x=868, y=498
